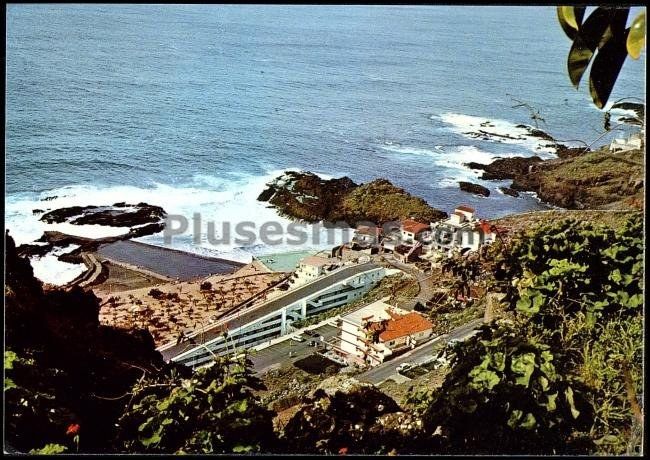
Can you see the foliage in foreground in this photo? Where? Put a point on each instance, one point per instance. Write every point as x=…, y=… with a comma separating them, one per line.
x=212, y=411
x=603, y=41
x=560, y=372
x=563, y=374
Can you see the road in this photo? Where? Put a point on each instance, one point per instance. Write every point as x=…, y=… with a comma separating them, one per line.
x=289, y=350
x=418, y=355
x=236, y=320
x=426, y=285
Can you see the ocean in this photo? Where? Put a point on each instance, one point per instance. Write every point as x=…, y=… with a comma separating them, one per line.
x=195, y=107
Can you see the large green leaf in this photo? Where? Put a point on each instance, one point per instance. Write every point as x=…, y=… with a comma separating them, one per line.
x=593, y=33
x=605, y=69
x=483, y=378
x=523, y=365
x=570, y=18
x=49, y=449
x=578, y=61
x=636, y=38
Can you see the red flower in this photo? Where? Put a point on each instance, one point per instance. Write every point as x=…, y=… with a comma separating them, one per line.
x=73, y=429
x=343, y=450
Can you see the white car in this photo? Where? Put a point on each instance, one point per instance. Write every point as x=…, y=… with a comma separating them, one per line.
x=298, y=338
x=404, y=367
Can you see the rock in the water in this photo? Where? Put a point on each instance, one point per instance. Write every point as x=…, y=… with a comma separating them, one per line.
x=509, y=191
x=119, y=215
x=267, y=193
x=305, y=196
x=506, y=168
x=142, y=218
x=474, y=188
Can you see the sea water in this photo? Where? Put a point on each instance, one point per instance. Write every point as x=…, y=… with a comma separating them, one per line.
x=195, y=107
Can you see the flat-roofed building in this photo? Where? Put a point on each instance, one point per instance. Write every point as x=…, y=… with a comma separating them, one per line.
x=462, y=230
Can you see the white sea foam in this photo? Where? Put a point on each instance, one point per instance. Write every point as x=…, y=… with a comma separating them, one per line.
x=50, y=269
x=618, y=114
x=451, y=160
x=495, y=129
x=217, y=200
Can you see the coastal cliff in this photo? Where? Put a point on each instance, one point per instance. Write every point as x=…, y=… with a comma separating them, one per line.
x=305, y=196
x=592, y=180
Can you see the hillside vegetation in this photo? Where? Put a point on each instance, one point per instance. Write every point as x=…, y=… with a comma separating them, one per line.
x=558, y=370
x=594, y=180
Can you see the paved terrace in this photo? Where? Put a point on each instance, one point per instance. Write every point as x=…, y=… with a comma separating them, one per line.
x=168, y=262
x=240, y=319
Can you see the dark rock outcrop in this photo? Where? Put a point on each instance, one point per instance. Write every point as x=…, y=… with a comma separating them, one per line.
x=562, y=151
x=593, y=180
x=509, y=191
x=637, y=108
x=474, y=188
x=112, y=216
x=144, y=219
x=506, y=168
x=305, y=196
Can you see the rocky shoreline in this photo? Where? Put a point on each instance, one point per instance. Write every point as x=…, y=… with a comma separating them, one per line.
x=593, y=180
x=142, y=219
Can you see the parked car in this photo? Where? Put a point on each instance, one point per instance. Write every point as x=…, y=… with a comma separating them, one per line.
x=404, y=367
x=297, y=338
x=311, y=333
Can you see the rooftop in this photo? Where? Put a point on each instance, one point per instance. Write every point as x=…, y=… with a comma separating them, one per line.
x=413, y=226
x=484, y=226
x=403, y=325
x=464, y=207
x=316, y=261
x=374, y=312
x=366, y=230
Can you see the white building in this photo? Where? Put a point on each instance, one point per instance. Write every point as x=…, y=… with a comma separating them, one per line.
x=263, y=322
x=412, y=231
x=312, y=267
x=373, y=333
x=633, y=142
x=461, y=231
x=367, y=236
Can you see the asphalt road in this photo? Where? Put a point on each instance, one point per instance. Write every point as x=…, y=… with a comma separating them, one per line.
x=274, y=356
x=418, y=355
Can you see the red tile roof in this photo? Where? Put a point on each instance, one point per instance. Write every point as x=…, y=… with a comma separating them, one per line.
x=404, y=325
x=464, y=207
x=484, y=226
x=415, y=227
